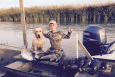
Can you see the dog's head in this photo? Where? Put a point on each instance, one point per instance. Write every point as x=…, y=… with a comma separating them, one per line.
x=38, y=32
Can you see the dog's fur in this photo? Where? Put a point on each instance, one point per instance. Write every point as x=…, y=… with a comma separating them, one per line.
x=38, y=41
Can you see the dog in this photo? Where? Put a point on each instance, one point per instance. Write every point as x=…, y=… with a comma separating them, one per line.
x=38, y=40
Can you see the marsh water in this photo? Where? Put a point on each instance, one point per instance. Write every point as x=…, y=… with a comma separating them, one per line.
x=11, y=34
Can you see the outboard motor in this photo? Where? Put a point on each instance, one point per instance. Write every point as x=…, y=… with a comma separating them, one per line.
x=94, y=38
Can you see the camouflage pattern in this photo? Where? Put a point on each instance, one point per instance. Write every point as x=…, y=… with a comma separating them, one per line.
x=55, y=41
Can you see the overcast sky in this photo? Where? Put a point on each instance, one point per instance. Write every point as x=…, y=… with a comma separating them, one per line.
x=29, y=3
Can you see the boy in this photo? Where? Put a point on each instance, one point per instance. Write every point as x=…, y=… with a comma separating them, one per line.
x=55, y=38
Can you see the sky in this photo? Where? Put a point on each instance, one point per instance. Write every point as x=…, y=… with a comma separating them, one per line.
x=31, y=3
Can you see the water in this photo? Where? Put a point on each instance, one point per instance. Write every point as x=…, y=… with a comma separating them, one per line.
x=11, y=34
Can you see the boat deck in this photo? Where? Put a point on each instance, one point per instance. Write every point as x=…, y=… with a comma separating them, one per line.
x=9, y=54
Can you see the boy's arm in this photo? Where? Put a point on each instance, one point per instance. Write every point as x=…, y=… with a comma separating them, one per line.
x=46, y=35
x=66, y=36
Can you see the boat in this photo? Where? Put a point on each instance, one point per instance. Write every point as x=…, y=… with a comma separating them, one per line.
x=13, y=64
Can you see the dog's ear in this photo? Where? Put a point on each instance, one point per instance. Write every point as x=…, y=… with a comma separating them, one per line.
x=34, y=31
x=43, y=30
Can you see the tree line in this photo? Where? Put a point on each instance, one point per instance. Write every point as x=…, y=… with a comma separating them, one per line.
x=68, y=13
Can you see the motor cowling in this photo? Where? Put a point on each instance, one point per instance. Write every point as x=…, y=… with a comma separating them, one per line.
x=93, y=38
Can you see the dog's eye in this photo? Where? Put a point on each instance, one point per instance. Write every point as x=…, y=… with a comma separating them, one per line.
x=39, y=31
x=36, y=31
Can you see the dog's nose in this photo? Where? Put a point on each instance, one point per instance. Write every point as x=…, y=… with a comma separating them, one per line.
x=38, y=36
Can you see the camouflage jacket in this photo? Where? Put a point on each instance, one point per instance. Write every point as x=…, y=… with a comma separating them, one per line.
x=55, y=40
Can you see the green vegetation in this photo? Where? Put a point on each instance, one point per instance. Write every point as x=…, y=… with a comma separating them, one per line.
x=68, y=13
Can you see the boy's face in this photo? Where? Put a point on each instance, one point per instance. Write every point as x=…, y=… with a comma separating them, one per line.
x=53, y=26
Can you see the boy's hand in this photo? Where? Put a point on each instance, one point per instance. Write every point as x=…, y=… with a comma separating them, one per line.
x=70, y=30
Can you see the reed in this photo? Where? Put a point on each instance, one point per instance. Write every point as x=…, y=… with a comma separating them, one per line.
x=68, y=13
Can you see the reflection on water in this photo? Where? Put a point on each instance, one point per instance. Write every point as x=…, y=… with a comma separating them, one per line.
x=11, y=33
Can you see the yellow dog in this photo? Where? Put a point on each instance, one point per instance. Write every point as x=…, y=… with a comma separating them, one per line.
x=38, y=40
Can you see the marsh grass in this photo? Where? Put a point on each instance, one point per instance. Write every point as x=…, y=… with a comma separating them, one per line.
x=68, y=13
